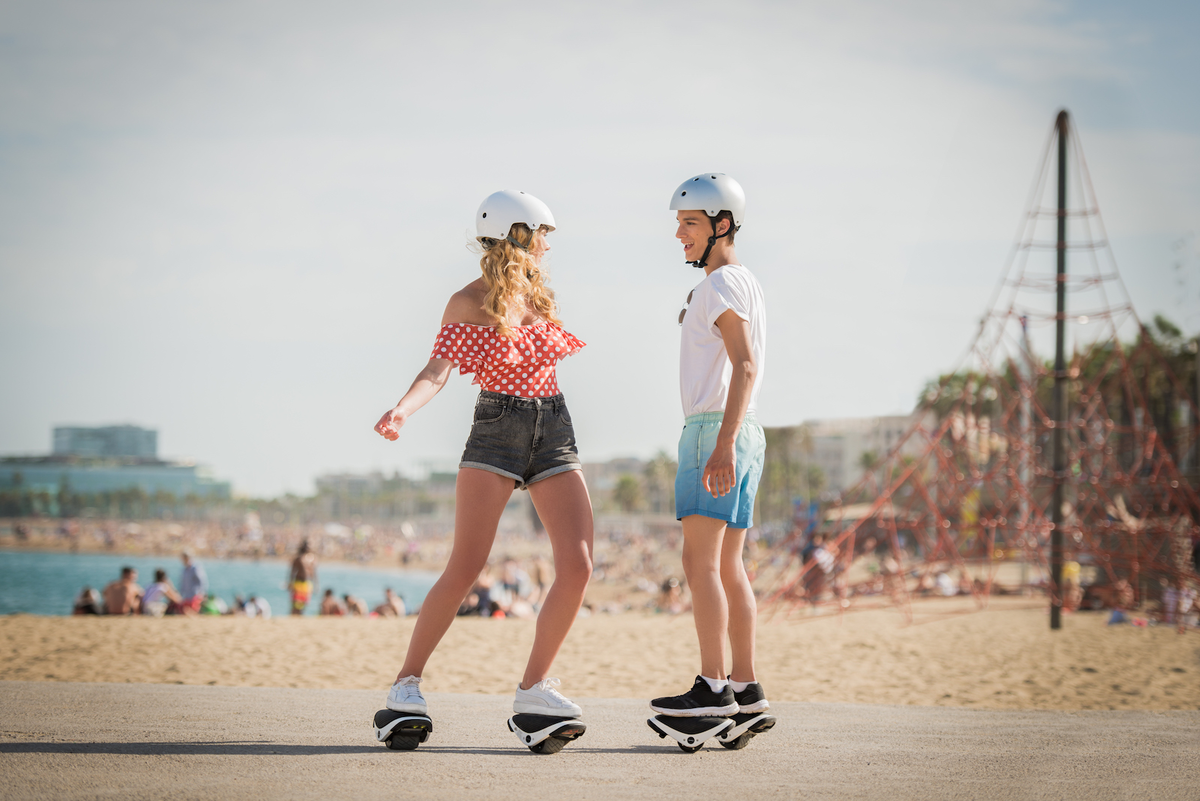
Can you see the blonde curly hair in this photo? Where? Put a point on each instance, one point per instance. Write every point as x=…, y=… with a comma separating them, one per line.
x=511, y=273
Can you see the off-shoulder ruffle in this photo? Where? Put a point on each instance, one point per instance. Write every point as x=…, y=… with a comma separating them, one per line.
x=524, y=349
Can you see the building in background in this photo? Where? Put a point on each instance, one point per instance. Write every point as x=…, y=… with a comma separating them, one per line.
x=106, y=441
x=108, y=459
x=839, y=445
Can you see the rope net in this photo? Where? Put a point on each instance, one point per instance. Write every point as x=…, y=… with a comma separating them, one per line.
x=960, y=504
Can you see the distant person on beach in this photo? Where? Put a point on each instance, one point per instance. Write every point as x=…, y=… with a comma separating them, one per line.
x=330, y=604
x=213, y=605
x=123, y=596
x=89, y=602
x=517, y=590
x=479, y=599
x=818, y=564
x=302, y=578
x=160, y=596
x=193, y=584
x=355, y=606
x=721, y=450
x=392, y=606
x=258, y=607
x=670, y=598
x=504, y=328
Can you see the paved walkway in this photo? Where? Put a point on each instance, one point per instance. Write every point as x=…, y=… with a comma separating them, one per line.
x=132, y=741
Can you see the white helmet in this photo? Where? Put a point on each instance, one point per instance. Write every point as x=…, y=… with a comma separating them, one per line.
x=712, y=193
x=500, y=210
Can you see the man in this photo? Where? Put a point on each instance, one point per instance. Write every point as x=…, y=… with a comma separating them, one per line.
x=193, y=585
x=392, y=606
x=355, y=607
x=302, y=578
x=330, y=605
x=722, y=352
x=123, y=596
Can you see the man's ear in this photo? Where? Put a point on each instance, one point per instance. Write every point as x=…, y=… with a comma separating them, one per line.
x=723, y=227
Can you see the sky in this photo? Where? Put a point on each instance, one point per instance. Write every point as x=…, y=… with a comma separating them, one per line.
x=238, y=223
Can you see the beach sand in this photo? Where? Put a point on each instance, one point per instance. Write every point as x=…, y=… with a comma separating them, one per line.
x=1002, y=658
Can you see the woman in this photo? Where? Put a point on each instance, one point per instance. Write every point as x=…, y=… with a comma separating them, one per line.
x=504, y=328
x=160, y=597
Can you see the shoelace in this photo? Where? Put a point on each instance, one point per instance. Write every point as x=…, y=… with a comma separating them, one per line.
x=547, y=686
x=409, y=686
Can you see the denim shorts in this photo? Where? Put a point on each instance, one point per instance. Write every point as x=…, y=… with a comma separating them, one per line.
x=525, y=439
x=696, y=445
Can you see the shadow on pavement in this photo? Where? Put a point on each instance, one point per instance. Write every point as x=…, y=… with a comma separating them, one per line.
x=261, y=748
x=258, y=748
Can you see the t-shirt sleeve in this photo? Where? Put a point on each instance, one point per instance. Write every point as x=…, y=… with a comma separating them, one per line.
x=725, y=295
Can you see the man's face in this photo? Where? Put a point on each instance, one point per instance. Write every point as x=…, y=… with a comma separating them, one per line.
x=694, y=230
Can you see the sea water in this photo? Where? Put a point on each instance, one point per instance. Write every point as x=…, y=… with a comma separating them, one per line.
x=47, y=583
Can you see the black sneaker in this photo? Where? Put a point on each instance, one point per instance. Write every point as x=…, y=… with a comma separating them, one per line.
x=700, y=701
x=752, y=699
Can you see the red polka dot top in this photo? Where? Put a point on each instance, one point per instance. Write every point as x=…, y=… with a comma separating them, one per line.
x=523, y=366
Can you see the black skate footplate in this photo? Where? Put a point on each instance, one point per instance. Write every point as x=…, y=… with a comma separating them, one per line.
x=544, y=734
x=401, y=731
x=690, y=733
x=745, y=726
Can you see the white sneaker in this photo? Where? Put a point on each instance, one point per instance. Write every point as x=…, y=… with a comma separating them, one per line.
x=405, y=696
x=543, y=699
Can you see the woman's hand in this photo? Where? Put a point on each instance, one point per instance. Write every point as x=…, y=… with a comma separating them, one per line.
x=389, y=425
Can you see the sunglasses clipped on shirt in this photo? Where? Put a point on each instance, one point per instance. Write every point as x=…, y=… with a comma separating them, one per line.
x=683, y=311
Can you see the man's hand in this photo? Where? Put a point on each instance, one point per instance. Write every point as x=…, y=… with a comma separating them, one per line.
x=720, y=473
x=390, y=424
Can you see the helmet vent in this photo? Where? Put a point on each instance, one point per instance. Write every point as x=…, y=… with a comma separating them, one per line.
x=684, y=192
x=485, y=214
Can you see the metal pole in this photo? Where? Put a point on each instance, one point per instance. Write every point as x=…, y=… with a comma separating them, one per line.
x=1027, y=373
x=1060, y=385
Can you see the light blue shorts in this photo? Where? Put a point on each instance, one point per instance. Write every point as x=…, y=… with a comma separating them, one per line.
x=696, y=445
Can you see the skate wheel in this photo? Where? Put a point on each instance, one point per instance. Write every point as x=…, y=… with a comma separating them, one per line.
x=690, y=749
x=399, y=742
x=551, y=745
x=737, y=743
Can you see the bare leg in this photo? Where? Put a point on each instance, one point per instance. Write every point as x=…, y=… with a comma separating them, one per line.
x=743, y=610
x=479, y=499
x=702, y=538
x=563, y=504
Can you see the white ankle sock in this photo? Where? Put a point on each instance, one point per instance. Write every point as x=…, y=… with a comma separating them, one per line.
x=716, y=685
x=739, y=686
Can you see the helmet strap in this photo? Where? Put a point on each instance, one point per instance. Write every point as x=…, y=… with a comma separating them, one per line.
x=702, y=262
x=515, y=243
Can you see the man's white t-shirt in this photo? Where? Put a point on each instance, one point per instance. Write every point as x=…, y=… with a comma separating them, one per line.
x=704, y=367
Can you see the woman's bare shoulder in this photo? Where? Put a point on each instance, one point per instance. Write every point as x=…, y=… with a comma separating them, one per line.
x=466, y=306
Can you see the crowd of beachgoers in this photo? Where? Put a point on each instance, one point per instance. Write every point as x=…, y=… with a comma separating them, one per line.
x=633, y=569
x=191, y=596
x=637, y=567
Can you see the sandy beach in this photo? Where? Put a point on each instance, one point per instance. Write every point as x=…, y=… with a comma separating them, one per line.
x=1004, y=658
